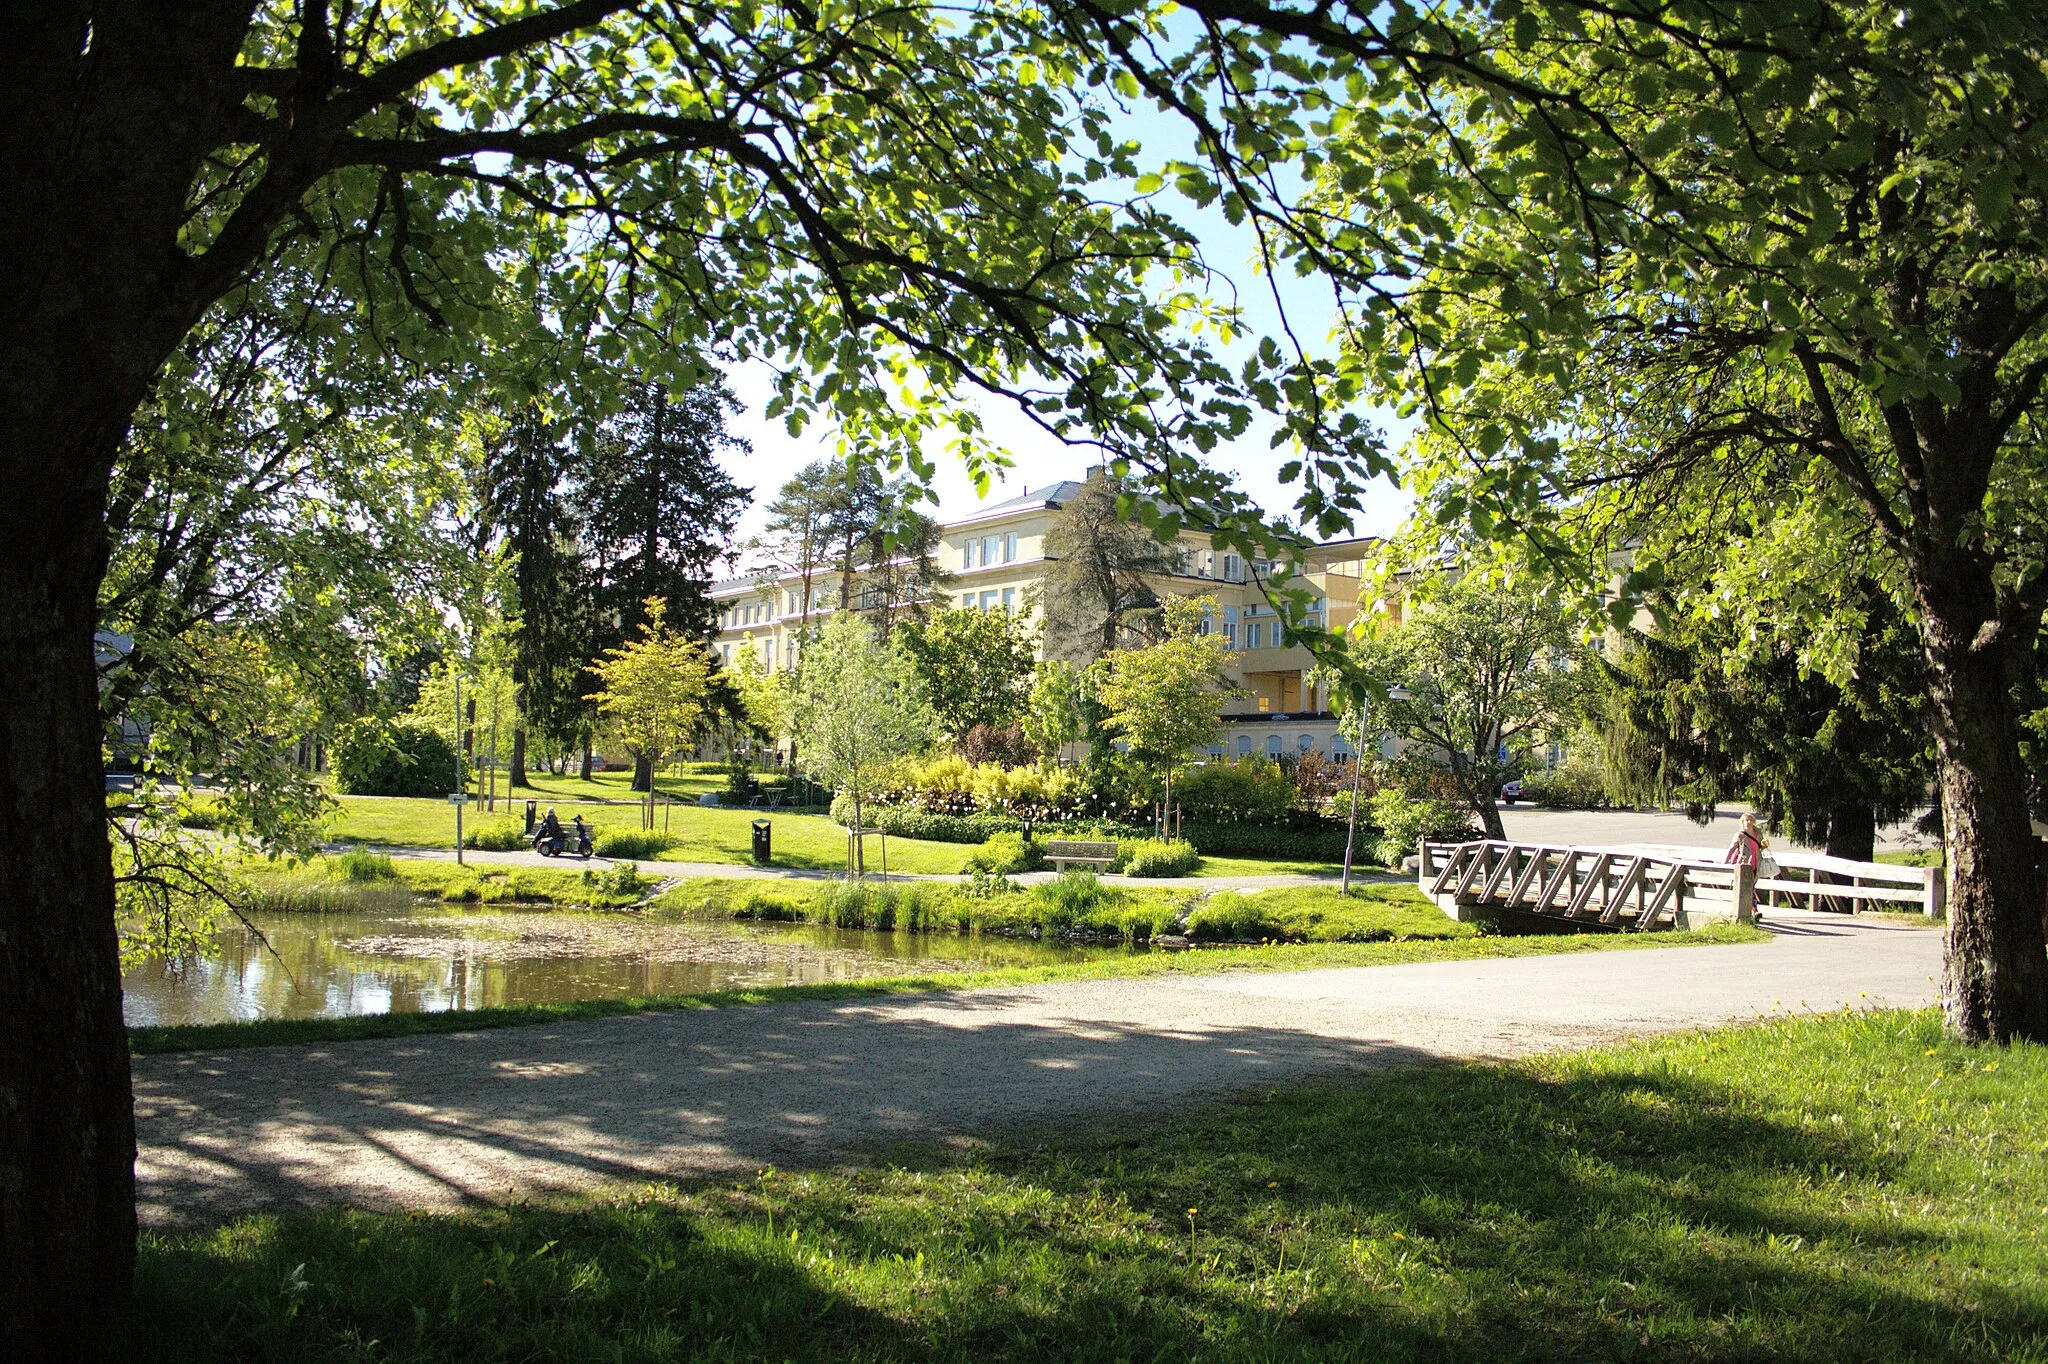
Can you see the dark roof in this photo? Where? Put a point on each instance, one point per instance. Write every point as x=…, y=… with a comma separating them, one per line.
x=1050, y=496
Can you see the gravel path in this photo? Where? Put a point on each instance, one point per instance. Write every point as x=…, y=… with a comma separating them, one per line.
x=496, y=1115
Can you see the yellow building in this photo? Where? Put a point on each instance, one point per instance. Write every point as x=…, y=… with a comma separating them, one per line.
x=997, y=559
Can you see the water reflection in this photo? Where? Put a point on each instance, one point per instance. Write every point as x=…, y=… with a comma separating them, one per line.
x=434, y=958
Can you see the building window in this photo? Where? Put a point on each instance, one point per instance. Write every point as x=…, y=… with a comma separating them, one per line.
x=967, y=553
x=988, y=601
x=1244, y=745
x=1009, y=547
x=768, y=655
x=1340, y=749
x=1254, y=635
x=1265, y=704
x=1273, y=747
x=1231, y=570
x=989, y=549
x=966, y=601
x=1230, y=633
x=1304, y=743
x=725, y=653
x=1009, y=599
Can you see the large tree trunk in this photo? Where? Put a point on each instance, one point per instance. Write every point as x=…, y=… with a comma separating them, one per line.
x=517, y=777
x=1995, y=982
x=67, y=1137
x=643, y=773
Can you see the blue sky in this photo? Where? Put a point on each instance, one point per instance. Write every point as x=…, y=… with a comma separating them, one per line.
x=1038, y=458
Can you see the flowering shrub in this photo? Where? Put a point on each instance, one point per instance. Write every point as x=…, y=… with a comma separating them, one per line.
x=1253, y=789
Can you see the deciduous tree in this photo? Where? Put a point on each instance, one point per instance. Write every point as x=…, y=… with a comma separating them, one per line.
x=858, y=709
x=1483, y=670
x=651, y=690
x=975, y=666
x=1166, y=697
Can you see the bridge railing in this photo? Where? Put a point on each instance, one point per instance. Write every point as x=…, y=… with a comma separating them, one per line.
x=1645, y=887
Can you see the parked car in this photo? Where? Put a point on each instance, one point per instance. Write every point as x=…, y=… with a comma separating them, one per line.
x=1510, y=791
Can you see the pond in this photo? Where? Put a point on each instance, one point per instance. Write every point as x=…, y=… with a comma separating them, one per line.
x=436, y=958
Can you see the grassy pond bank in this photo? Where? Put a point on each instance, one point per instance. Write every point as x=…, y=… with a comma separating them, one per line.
x=358, y=945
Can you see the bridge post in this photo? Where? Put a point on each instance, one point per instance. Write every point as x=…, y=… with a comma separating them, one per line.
x=1934, y=891
x=1745, y=893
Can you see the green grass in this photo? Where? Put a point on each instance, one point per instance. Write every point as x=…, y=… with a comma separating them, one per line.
x=1260, y=866
x=1375, y=912
x=701, y=833
x=1208, y=961
x=362, y=883
x=714, y=834
x=1081, y=905
x=1913, y=857
x=1849, y=1188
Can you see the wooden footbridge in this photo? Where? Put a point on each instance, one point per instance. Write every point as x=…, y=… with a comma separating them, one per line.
x=1644, y=887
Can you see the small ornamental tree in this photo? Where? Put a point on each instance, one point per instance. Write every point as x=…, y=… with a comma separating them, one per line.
x=652, y=691
x=764, y=694
x=858, y=708
x=1053, y=717
x=975, y=667
x=1166, y=698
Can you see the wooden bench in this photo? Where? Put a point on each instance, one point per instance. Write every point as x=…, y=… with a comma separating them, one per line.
x=1064, y=854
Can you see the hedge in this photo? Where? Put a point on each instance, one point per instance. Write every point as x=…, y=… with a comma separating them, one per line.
x=906, y=822
x=1302, y=839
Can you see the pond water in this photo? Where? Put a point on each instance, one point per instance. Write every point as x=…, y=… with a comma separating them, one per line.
x=435, y=958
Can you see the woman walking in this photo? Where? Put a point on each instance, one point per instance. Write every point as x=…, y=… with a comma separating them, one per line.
x=1747, y=849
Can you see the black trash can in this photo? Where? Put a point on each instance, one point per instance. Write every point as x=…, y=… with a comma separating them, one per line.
x=761, y=849
x=531, y=806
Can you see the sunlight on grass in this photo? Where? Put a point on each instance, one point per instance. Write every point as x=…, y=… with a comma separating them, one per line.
x=1834, y=1189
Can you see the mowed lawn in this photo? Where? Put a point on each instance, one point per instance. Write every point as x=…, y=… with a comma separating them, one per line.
x=703, y=833
x=1826, y=1189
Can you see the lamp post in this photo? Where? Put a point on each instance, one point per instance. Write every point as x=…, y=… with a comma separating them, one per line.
x=1394, y=693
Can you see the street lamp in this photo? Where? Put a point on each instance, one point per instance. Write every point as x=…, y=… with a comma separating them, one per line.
x=1394, y=693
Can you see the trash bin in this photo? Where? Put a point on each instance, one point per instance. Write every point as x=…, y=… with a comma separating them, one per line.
x=761, y=840
x=531, y=806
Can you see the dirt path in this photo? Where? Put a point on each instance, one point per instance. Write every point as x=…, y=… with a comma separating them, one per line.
x=496, y=1115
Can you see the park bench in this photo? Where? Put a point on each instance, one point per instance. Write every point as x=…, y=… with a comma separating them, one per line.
x=1064, y=854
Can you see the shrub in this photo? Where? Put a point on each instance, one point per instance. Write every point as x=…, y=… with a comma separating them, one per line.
x=739, y=780
x=635, y=843
x=1159, y=857
x=622, y=881
x=361, y=867
x=1405, y=822
x=1570, y=786
x=1004, y=747
x=1250, y=789
x=1302, y=838
x=373, y=757
x=1005, y=853
x=906, y=822
x=504, y=836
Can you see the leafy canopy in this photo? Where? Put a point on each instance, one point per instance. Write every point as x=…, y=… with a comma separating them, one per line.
x=1166, y=697
x=975, y=666
x=653, y=689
